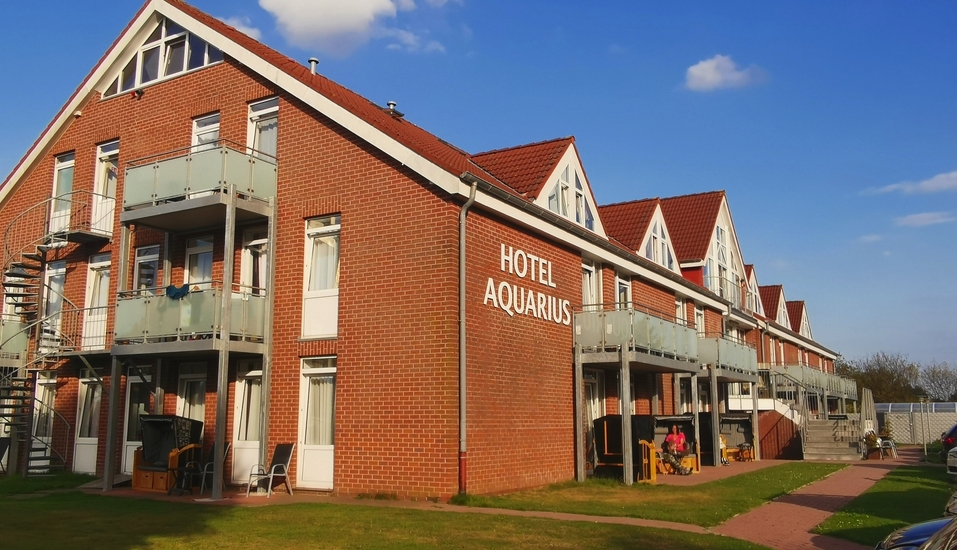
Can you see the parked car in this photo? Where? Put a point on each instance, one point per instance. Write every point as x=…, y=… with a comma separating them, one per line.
x=943, y=539
x=952, y=461
x=912, y=536
x=948, y=440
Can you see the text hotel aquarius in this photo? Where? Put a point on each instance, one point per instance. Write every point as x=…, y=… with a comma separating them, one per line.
x=514, y=299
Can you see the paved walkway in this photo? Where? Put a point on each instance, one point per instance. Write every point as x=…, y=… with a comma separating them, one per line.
x=784, y=524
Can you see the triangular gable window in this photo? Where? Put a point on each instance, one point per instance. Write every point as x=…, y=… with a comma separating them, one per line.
x=658, y=249
x=168, y=51
x=559, y=199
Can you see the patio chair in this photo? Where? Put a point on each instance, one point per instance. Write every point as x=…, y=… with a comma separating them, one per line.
x=888, y=447
x=281, y=457
x=4, y=445
x=208, y=467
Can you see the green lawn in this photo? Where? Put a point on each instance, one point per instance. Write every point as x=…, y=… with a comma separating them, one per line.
x=72, y=519
x=707, y=504
x=908, y=494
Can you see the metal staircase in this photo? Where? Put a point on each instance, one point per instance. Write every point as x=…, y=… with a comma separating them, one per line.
x=36, y=340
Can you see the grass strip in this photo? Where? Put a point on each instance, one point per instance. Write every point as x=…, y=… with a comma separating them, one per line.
x=906, y=495
x=707, y=504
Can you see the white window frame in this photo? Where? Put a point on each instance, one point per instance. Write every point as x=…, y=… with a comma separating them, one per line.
x=623, y=282
x=146, y=255
x=699, y=320
x=190, y=372
x=248, y=370
x=590, y=290
x=203, y=128
x=681, y=310
x=254, y=237
x=259, y=112
x=197, y=250
x=94, y=321
x=60, y=208
x=325, y=297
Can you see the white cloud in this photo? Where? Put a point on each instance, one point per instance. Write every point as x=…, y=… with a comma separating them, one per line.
x=721, y=72
x=337, y=28
x=872, y=238
x=243, y=25
x=941, y=182
x=925, y=218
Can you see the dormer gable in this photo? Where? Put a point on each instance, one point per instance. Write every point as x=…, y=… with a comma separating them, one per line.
x=775, y=305
x=753, y=299
x=797, y=313
x=640, y=226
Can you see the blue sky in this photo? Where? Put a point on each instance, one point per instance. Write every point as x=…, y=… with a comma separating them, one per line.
x=831, y=125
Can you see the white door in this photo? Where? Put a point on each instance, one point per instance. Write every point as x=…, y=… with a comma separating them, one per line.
x=43, y=419
x=317, y=407
x=50, y=337
x=247, y=421
x=87, y=426
x=320, y=305
x=104, y=199
x=97, y=302
x=137, y=403
x=61, y=204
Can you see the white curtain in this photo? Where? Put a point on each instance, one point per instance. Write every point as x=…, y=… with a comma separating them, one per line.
x=324, y=273
x=267, y=136
x=320, y=410
x=251, y=406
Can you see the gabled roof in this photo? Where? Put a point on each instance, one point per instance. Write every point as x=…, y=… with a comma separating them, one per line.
x=748, y=270
x=525, y=168
x=771, y=298
x=691, y=219
x=628, y=221
x=796, y=313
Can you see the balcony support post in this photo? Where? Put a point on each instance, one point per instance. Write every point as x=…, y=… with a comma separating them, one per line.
x=676, y=393
x=715, y=419
x=694, y=410
x=159, y=394
x=222, y=380
x=579, y=391
x=112, y=424
x=655, y=383
x=755, y=429
x=267, y=334
x=624, y=399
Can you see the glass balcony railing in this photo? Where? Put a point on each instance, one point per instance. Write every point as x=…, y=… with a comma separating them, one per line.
x=635, y=329
x=196, y=171
x=818, y=380
x=13, y=339
x=727, y=353
x=150, y=315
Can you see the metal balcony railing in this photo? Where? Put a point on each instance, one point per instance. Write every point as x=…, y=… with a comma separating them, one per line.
x=621, y=325
x=822, y=381
x=198, y=170
x=14, y=339
x=149, y=315
x=738, y=294
x=727, y=353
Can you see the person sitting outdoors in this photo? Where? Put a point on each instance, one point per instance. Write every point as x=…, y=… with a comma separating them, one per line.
x=671, y=457
x=678, y=439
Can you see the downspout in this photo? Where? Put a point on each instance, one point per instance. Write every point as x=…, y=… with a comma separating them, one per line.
x=463, y=454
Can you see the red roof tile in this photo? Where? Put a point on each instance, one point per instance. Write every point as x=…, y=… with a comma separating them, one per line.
x=770, y=296
x=691, y=220
x=795, y=314
x=525, y=168
x=441, y=153
x=748, y=270
x=628, y=221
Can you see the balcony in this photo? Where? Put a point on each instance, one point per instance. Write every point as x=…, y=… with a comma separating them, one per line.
x=188, y=189
x=13, y=342
x=643, y=332
x=817, y=380
x=149, y=321
x=732, y=359
x=739, y=295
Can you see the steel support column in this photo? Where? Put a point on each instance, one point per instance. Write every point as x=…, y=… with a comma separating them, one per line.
x=624, y=400
x=266, y=383
x=694, y=410
x=715, y=419
x=222, y=379
x=112, y=425
x=755, y=429
x=579, y=414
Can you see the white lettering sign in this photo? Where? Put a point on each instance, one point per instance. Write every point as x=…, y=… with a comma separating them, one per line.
x=517, y=300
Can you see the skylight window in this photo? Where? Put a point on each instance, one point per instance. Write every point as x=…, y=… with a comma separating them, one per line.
x=169, y=50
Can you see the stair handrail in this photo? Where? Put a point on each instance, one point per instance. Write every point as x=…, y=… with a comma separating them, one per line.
x=69, y=430
x=802, y=427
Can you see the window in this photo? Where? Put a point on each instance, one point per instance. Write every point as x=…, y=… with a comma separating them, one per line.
x=138, y=394
x=104, y=200
x=681, y=312
x=657, y=248
x=205, y=133
x=191, y=398
x=199, y=262
x=263, y=128
x=168, y=51
x=320, y=400
x=559, y=199
x=147, y=265
x=252, y=277
x=320, y=310
x=699, y=320
x=97, y=302
x=88, y=416
x=249, y=401
x=322, y=235
x=589, y=286
x=62, y=190
x=44, y=406
x=622, y=291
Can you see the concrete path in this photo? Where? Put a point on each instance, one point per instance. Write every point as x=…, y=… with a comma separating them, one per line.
x=786, y=523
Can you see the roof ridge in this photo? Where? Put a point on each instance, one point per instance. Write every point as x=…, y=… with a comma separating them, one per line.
x=515, y=147
x=698, y=194
x=632, y=201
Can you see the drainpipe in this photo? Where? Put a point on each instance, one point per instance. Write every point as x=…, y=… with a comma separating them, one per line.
x=463, y=454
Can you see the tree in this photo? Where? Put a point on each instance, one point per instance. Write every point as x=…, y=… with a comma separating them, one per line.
x=890, y=377
x=939, y=381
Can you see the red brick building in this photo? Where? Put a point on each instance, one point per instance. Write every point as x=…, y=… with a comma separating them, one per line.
x=211, y=230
